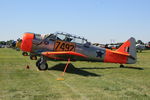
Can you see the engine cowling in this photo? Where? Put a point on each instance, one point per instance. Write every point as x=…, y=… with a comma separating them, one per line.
x=26, y=44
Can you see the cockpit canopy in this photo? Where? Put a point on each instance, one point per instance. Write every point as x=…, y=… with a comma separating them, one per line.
x=65, y=37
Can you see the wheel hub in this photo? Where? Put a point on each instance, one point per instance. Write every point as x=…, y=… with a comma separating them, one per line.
x=42, y=66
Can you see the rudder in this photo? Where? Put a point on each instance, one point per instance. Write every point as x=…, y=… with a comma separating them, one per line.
x=130, y=48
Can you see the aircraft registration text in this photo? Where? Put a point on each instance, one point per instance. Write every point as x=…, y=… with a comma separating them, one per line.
x=64, y=46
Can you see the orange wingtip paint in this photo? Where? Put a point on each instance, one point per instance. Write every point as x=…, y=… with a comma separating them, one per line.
x=27, y=42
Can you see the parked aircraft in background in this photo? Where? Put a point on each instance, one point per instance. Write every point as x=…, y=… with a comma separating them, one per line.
x=140, y=47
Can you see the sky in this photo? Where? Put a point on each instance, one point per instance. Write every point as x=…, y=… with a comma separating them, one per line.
x=101, y=21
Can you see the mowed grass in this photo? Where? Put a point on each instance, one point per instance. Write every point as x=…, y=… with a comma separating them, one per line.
x=82, y=81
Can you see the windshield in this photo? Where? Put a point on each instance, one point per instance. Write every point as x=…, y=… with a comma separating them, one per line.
x=38, y=37
x=50, y=36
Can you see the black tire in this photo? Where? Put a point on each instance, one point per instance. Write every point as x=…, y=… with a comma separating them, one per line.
x=43, y=66
x=122, y=66
x=38, y=63
x=24, y=53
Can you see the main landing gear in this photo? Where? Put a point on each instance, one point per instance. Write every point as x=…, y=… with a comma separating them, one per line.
x=41, y=63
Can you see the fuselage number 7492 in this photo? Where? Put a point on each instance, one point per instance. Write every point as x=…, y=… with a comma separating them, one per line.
x=64, y=46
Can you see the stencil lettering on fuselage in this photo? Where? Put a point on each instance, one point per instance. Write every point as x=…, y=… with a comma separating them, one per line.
x=64, y=46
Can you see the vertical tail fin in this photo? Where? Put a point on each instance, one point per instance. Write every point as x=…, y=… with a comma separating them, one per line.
x=130, y=48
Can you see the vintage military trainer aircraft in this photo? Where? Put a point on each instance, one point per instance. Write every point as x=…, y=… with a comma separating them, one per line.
x=66, y=47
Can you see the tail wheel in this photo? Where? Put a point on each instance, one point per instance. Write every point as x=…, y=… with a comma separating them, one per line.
x=43, y=66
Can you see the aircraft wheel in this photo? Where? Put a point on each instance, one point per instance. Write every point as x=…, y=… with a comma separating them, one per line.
x=33, y=57
x=43, y=66
x=24, y=53
x=122, y=66
x=38, y=62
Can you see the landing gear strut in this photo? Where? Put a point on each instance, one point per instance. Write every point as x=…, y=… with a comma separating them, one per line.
x=41, y=64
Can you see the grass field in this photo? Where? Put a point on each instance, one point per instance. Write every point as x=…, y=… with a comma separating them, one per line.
x=83, y=80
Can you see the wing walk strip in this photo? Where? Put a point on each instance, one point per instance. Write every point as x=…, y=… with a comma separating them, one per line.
x=83, y=97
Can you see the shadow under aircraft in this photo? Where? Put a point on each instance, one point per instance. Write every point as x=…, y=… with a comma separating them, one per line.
x=80, y=71
x=128, y=67
x=71, y=69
